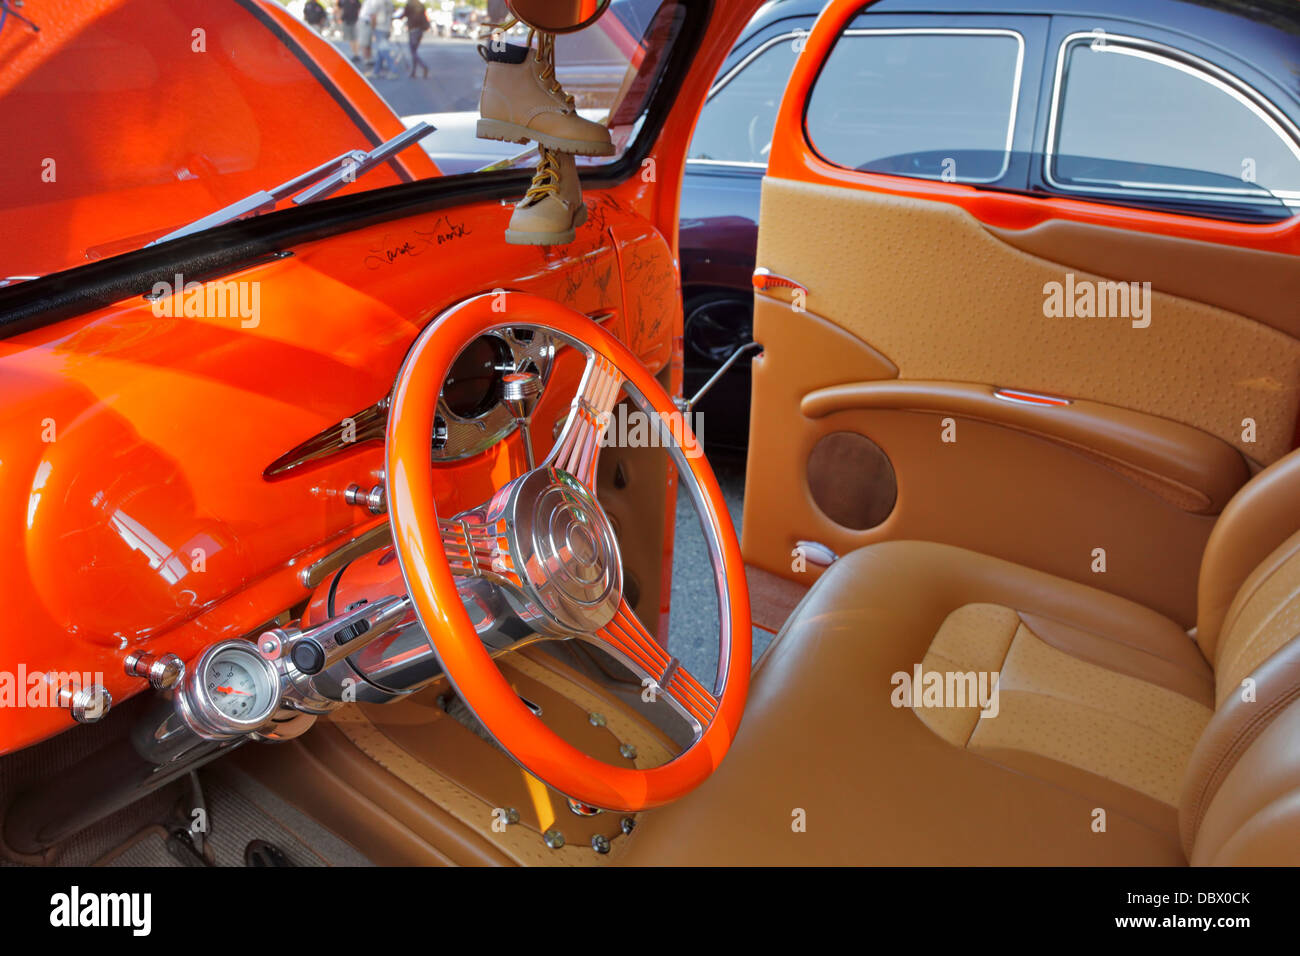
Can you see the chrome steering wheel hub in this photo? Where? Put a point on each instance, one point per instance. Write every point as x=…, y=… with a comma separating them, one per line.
x=565, y=550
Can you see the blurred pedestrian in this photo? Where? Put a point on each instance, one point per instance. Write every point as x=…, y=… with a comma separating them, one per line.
x=315, y=15
x=417, y=24
x=375, y=21
x=348, y=11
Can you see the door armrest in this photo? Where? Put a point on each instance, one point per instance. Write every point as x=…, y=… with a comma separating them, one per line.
x=1195, y=471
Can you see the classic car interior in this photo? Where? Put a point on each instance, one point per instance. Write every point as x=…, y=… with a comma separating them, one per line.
x=354, y=513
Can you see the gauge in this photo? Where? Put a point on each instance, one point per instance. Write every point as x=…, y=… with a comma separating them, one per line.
x=474, y=381
x=231, y=691
x=470, y=417
x=232, y=688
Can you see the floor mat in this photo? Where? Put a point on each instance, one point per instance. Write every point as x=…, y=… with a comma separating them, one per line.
x=238, y=809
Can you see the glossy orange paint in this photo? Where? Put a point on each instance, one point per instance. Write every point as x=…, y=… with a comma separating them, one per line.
x=418, y=540
x=793, y=157
x=132, y=444
x=123, y=120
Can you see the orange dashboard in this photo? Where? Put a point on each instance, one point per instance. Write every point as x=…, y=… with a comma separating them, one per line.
x=139, y=528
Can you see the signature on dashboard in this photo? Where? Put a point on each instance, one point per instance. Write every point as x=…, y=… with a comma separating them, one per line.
x=420, y=241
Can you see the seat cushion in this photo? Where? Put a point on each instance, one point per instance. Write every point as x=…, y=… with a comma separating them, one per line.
x=1099, y=703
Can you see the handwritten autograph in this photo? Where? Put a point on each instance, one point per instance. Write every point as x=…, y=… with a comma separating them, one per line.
x=390, y=250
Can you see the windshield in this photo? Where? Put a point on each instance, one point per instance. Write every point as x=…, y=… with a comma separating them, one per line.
x=122, y=121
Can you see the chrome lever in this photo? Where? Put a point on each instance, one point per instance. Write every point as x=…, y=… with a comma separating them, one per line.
x=685, y=405
x=816, y=553
x=520, y=393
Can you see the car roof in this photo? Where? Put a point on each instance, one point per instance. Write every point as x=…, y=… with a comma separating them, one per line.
x=1262, y=32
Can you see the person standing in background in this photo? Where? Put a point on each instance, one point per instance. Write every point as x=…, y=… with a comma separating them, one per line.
x=417, y=24
x=376, y=26
x=315, y=16
x=348, y=11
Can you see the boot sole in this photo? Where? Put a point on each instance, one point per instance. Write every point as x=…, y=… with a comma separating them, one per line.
x=516, y=238
x=514, y=133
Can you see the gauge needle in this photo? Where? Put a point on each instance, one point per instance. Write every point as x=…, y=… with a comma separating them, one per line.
x=231, y=690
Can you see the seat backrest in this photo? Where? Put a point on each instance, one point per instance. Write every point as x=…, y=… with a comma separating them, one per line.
x=1241, y=792
x=1259, y=518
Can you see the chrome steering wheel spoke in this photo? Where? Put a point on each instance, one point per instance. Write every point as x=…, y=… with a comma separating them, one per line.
x=476, y=546
x=662, y=675
x=577, y=450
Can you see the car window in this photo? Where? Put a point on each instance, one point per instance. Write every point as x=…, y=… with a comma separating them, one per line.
x=1129, y=117
x=737, y=121
x=932, y=103
x=435, y=74
x=123, y=121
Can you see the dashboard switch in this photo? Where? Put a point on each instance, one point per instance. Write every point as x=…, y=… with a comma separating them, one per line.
x=308, y=656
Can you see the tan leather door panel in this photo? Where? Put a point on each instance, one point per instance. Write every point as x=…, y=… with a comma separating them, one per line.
x=951, y=310
x=930, y=288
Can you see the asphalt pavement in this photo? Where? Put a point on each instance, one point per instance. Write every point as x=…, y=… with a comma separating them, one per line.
x=693, y=620
x=454, y=81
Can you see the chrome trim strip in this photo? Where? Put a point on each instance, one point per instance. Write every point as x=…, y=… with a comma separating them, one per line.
x=367, y=541
x=1192, y=65
x=1019, y=396
x=751, y=56
x=365, y=426
x=725, y=163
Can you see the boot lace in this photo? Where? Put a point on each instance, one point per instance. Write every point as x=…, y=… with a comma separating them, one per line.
x=546, y=56
x=546, y=181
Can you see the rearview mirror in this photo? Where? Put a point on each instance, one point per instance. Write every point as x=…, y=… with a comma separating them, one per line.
x=557, y=16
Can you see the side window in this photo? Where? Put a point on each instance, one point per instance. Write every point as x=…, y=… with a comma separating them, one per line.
x=932, y=103
x=1129, y=119
x=737, y=121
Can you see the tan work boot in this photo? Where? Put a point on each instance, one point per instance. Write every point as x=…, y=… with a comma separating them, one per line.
x=522, y=100
x=551, y=212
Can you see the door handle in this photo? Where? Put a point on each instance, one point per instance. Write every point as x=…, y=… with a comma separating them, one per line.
x=765, y=279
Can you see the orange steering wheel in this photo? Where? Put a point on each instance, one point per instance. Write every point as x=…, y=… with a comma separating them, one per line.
x=545, y=542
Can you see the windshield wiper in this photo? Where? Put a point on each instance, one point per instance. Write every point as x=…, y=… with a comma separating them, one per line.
x=328, y=178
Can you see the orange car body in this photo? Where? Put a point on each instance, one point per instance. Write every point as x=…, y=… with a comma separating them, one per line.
x=133, y=442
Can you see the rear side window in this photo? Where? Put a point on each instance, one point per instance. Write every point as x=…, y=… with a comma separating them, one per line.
x=1129, y=118
x=932, y=103
x=737, y=122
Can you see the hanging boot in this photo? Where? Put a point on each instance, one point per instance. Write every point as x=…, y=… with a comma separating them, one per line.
x=522, y=101
x=553, y=208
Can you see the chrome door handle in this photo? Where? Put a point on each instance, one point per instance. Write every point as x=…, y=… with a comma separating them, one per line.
x=765, y=279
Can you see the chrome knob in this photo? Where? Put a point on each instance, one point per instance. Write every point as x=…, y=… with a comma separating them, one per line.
x=373, y=500
x=88, y=704
x=163, y=671
x=520, y=392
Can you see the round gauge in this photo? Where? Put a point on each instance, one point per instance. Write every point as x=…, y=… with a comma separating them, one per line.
x=232, y=691
x=233, y=688
x=473, y=385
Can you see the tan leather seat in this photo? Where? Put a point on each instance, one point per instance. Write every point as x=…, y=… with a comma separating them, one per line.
x=1118, y=739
